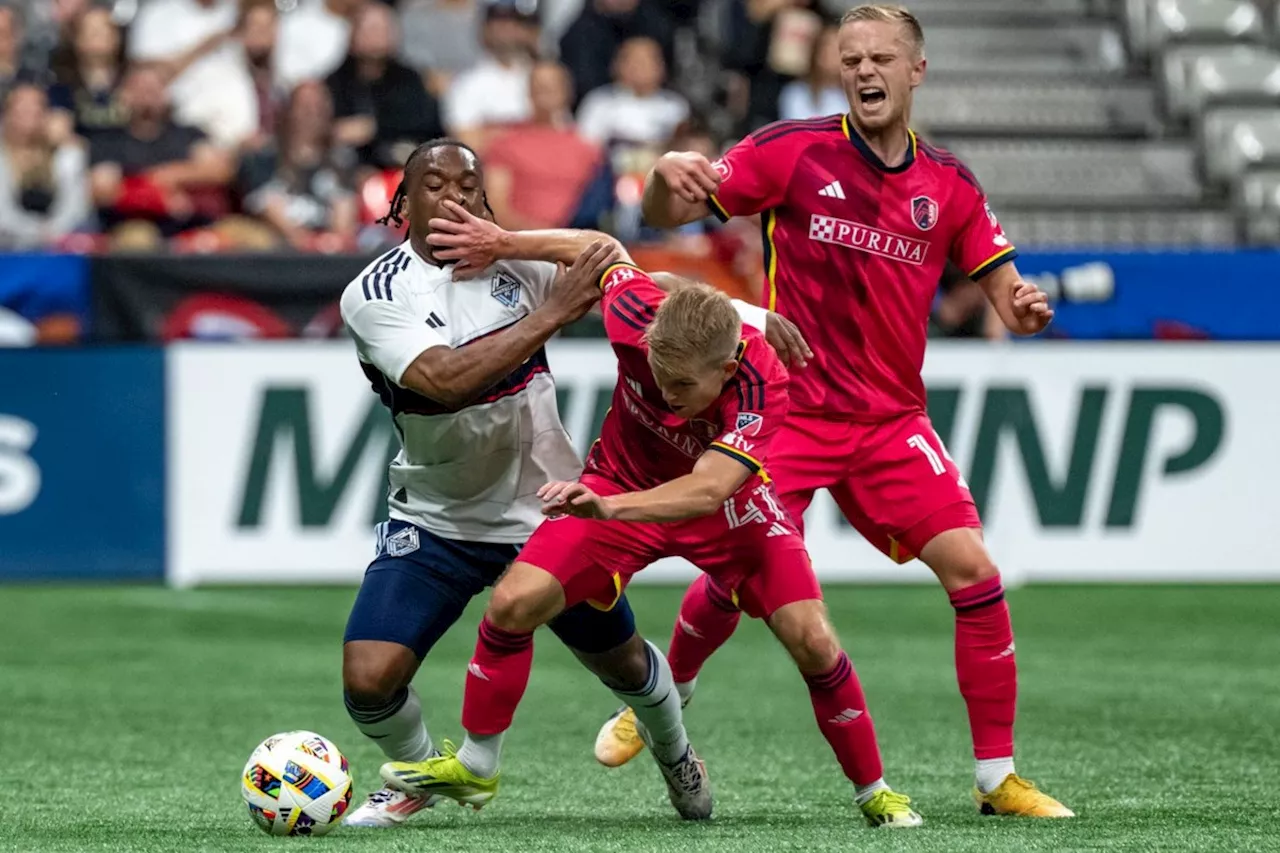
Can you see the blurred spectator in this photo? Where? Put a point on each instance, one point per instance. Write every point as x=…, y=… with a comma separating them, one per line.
x=819, y=93
x=259, y=31
x=441, y=38
x=535, y=172
x=382, y=107
x=635, y=108
x=307, y=191
x=12, y=70
x=962, y=309
x=496, y=91
x=88, y=70
x=314, y=39
x=209, y=80
x=767, y=42
x=153, y=169
x=43, y=187
x=592, y=41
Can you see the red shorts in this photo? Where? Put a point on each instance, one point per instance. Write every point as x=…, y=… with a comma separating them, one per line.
x=748, y=546
x=894, y=481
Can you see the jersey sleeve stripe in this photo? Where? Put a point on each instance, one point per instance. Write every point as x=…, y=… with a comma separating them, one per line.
x=776, y=131
x=751, y=462
x=617, y=311
x=717, y=209
x=999, y=259
x=637, y=304
x=608, y=271
x=756, y=383
x=382, y=274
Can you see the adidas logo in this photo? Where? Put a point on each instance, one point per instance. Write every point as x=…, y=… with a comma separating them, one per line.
x=777, y=530
x=688, y=629
x=474, y=669
x=1007, y=653
x=434, y=322
x=832, y=190
x=848, y=715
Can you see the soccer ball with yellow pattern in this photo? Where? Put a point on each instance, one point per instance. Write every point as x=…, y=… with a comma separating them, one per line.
x=296, y=783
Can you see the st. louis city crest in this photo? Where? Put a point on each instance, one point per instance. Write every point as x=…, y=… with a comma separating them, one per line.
x=924, y=212
x=506, y=290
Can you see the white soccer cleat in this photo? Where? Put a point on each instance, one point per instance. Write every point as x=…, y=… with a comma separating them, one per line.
x=688, y=787
x=387, y=808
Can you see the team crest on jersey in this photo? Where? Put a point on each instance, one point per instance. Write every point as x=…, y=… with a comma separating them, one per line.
x=748, y=423
x=505, y=289
x=707, y=429
x=924, y=212
x=402, y=542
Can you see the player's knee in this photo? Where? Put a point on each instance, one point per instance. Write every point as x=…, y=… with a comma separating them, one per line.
x=807, y=636
x=369, y=680
x=517, y=606
x=816, y=649
x=959, y=574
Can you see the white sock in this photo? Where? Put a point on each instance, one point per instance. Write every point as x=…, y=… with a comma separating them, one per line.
x=396, y=727
x=991, y=772
x=862, y=793
x=685, y=689
x=480, y=754
x=657, y=707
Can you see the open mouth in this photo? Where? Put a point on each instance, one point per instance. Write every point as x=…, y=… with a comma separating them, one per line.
x=871, y=96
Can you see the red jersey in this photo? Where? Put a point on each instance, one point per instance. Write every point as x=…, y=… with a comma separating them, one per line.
x=854, y=251
x=642, y=442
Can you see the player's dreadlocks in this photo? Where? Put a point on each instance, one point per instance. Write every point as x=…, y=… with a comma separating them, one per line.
x=398, y=198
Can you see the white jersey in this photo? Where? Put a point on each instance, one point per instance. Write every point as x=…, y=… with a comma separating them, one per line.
x=470, y=473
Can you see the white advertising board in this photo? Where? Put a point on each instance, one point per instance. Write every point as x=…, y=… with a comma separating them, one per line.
x=1143, y=462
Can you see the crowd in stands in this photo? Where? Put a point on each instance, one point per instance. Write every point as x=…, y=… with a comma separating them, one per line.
x=279, y=125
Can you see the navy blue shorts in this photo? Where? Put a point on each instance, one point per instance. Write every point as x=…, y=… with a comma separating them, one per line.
x=419, y=583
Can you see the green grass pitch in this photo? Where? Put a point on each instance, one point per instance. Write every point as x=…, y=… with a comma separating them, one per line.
x=129, y=711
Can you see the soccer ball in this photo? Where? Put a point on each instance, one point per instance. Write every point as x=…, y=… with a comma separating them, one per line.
x=296, y=783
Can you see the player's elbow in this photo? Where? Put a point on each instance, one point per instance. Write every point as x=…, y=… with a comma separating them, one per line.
x=434, y=381
x=709, y=495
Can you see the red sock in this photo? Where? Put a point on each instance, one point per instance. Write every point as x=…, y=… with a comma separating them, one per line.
x=985, y=666
x=496, y=679
x=842, y=715
x=707, y=619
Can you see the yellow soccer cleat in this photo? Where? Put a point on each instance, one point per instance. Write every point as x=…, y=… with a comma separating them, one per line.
x=1017, y=796
x=441, y=776
x=619, y=741
x=891, y=810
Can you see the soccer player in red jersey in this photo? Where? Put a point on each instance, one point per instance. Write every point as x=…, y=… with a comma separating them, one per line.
x=859, y=218
x=678, y=471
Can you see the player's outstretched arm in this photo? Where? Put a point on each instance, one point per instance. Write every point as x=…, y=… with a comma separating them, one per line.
x=677, y=188
x=1022, y=306
x=714, y=479
x=475, y=244
x=455, y=377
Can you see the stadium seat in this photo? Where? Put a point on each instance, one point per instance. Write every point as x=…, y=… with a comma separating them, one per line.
x=1204, y=21
x=1239, y=76
x=1087, y=172
x=1040, y=105
x=1236, y=138
x=1258, y=195
x=1094, y=227
x=1075, y=48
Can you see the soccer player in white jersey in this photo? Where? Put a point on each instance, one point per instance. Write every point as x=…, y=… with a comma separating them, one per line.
x=461, y=365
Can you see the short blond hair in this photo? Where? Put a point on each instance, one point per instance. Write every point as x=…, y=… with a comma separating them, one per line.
x=695, y=327
x=889, y=13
